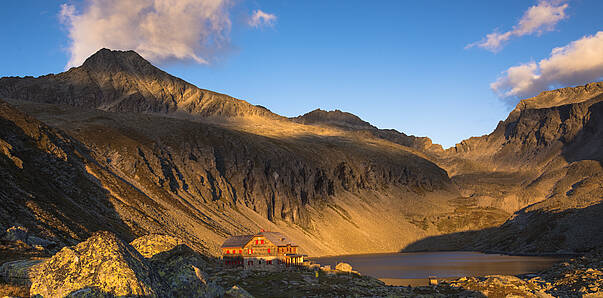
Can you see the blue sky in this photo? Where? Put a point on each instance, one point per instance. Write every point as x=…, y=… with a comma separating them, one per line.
x=397, y=64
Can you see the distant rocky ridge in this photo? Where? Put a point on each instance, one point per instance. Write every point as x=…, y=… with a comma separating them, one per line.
x=544, y=162
x=153, y=154
x=348, y=121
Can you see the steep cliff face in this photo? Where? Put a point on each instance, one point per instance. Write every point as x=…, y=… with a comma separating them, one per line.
x=122, y=81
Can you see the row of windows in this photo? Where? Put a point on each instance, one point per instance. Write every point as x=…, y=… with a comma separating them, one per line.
x=240, y=262
x=287, y=249
x=250, y=250
x=234, y=251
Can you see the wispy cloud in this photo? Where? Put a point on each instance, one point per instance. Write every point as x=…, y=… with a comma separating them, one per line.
x=536, y=20
x=577, y=63
x=159, y=30
x=260, y=18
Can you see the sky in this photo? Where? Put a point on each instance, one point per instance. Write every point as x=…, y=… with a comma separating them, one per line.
x=448, y=70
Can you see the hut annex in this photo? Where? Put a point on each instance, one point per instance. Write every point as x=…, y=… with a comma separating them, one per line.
x=262, y=250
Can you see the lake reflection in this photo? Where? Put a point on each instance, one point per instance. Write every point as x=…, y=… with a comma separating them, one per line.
x=415, y=268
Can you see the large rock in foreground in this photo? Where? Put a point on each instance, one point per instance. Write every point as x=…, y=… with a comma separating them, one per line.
x=152, y=244
x=101, y=265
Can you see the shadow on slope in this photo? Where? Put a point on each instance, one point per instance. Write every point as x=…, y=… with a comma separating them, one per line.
x=588, y=142
x=534, y=231
x=45, y=183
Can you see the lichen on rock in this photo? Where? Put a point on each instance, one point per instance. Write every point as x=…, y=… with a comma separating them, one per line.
x=103, y=264
x=152, y=244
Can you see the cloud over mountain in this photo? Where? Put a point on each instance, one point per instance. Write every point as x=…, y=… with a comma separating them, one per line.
x=579, y=62
x=536, y=20
x=159, y=30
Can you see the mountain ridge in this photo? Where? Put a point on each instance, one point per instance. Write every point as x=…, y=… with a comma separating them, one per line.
x=124, y=81
x=167, y=153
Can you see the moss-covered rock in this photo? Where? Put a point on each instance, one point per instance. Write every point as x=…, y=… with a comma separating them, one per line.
x=102, y=265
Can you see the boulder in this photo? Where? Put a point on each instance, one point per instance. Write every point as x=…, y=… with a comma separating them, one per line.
x=152, y=244
x=181, y=270
x=100, y=266
x=345, y=267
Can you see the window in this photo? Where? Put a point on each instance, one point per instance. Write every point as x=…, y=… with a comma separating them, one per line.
x=240, y=251
x=269, y=250
x=262, y=242
x=256, y=242
x=227, y=251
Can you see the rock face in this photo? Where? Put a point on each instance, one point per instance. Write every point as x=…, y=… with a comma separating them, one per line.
x=101, y=264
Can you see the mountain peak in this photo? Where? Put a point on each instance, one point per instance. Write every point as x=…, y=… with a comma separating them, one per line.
x=106, y=59
x=336, y=117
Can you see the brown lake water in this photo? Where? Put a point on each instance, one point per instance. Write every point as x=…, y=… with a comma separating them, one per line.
x=414, y=268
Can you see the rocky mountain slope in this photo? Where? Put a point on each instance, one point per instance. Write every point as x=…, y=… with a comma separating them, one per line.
x=157, y=154
x=545, y=162
x=151, y=153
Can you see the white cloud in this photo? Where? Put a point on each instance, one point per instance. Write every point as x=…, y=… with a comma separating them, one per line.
x=159, y=30
x=536, y=20
x=577, y=63
x=259, y=18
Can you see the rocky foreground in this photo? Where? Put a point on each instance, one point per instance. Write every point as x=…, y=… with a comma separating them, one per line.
x=161, y=266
